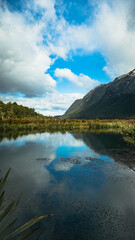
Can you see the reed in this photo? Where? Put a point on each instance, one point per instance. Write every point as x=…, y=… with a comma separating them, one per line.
x=124, y=127
x=6, y=214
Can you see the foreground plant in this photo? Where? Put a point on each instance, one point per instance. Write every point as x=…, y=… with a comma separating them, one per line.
x=6, y=222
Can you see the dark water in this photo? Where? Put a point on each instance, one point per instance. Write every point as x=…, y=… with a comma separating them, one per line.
x=86, y=180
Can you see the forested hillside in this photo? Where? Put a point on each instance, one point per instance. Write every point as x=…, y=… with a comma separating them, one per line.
x=13, y=110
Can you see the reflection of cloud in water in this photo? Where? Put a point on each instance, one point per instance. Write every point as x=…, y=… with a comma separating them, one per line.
x=28, y=156
x=60, y=174
x=55, y=139
x=36, y=146
x=63, y=166
x=59, y=139
x=82, y=155
x=25, y=169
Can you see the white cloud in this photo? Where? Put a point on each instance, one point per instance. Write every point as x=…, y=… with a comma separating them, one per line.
x=53, y=103
x=45, y=8
x=116, y=40
x=26, y=45
x=109, y=69
x=26, y=57
x=23, y=57
x=112, y=33
x=73, y=37
x=80, y=80
x=45, y=4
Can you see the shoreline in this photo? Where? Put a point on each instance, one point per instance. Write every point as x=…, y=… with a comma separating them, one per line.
x=16, y=126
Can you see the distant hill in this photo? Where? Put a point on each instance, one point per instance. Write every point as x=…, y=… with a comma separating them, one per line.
x=13, y=110
x=107, y=101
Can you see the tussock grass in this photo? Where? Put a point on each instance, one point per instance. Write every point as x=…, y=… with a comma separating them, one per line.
x=6, y=214
x=15, y=125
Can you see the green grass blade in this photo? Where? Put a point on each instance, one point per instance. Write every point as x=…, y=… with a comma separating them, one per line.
x=10, y=213
x=27, y=225
x=0, y=179
x=2, y=184
x=1, y=199
x=26, y=235
x=6, y=215
x=6, y=211
x=4, y=233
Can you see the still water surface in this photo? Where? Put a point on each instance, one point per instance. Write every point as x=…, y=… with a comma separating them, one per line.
x=86, y=180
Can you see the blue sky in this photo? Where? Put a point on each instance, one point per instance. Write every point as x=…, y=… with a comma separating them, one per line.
x=54, y=52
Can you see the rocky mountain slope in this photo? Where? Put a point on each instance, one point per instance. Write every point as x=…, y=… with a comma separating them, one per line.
x=113, y=100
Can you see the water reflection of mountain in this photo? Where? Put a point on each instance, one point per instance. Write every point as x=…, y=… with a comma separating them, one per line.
x=111, y=145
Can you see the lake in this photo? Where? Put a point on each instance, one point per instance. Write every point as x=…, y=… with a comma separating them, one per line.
x=86, y=180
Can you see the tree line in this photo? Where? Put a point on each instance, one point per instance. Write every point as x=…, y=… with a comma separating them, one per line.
x=13, y=110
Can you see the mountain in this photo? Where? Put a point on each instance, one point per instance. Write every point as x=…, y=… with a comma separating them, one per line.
x=107, y=101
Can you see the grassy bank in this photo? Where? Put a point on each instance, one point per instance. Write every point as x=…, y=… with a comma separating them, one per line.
x=16, y=125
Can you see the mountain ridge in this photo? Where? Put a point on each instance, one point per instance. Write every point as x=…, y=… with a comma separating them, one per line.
x=113, y=100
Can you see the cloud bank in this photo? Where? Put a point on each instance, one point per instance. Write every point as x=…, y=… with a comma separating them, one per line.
x=54, y=103
x=23, y=57
x=30, y=37
x=111, y=32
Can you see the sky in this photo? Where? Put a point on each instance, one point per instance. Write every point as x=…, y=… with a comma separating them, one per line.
x=53, y=52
